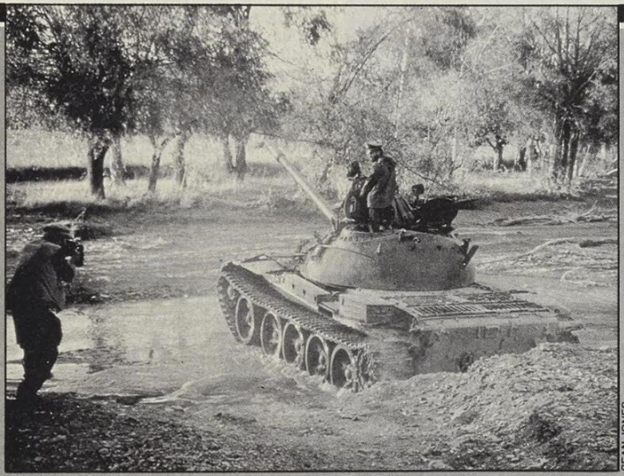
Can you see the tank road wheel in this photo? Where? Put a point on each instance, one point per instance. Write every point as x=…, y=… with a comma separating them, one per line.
x=317, y=356
x=365, y=373
x=293, y=345
x=271, y=335
x=343, y=369
x=245, y=321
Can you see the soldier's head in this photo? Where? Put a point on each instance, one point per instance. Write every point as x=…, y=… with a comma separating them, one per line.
x=354, y=170
x=57, y=233
x=418, y=189
x=374, y=150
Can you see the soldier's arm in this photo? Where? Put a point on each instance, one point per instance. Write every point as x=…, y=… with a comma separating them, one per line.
x=64, y=269
x=379, y=171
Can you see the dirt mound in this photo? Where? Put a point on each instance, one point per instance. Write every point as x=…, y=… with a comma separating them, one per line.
x=554, y=407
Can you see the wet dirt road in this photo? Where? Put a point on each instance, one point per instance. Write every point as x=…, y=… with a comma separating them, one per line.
x=153, y=347
x=162, y=344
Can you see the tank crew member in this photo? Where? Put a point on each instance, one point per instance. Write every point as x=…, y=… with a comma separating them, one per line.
x=35, y=294
x=380, y=188
x=354, y=204
x=417, y=191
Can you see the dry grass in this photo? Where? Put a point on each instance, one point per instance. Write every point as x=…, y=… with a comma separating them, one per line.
x=266, y=184
x=266, y=187
x=28, y=148
x=69, y=198
x=208, y=184
x=509, y=187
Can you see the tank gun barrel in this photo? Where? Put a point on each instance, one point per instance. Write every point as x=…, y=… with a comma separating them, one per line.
x=316, y=198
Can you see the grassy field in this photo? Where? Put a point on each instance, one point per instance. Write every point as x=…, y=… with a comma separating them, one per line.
x=266, y=184
x=28, y=148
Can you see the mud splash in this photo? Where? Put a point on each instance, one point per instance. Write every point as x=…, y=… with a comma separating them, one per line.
x=163, y=351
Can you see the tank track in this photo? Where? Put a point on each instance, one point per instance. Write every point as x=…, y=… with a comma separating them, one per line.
x=259, y=292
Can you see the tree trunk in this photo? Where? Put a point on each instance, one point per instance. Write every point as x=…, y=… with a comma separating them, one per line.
x=155, y=168
x=399, y=97
x=559, y=150
x=530, y=158
x=565, y=153
x=549, y=159
x=241, y=158
x=499, y=156
x=455, y=127
x=454, y=148
x=97, y=151
x=227, y=154
x=580, y=170
x=117, y=168
x=180, y=170
x=574, y=142
x=523, y=162
x=497, y=147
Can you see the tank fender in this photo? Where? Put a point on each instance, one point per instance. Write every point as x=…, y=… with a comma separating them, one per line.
x=366, y=308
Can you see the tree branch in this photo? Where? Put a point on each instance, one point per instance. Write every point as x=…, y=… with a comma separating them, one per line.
x=363, y=62
x=551, y=47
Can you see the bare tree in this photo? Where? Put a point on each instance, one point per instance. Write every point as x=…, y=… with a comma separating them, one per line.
x=567, y=51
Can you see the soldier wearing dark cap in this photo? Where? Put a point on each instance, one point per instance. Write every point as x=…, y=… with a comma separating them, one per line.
x=380, y=188
x=35, y=294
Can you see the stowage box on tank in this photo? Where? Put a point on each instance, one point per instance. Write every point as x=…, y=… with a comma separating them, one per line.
x=364, y=306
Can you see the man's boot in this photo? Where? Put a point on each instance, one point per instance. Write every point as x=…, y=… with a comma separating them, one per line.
x=26, y=398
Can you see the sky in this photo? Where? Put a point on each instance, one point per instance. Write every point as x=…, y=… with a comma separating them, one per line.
x=293, y=59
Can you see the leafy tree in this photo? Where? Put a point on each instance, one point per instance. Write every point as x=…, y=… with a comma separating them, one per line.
x=568, y=55
x=311, y=22
x=219, y=80
x=73, y=61
x=243, y=103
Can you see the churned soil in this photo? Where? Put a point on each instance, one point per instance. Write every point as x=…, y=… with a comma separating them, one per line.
x=553, y=408
x=67, y=433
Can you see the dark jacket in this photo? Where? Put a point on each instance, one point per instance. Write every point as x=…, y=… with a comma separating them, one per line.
x=381, y=186
x=39, y=277
x=355, y=203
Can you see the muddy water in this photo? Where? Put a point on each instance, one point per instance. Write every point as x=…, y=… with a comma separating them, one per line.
x=152, y=349
x=155, y=347
x=180, y=350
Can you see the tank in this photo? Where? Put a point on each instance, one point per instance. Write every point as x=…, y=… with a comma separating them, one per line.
x=356, y=306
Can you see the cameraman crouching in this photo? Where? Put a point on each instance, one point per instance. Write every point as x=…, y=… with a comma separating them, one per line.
x=35, y=295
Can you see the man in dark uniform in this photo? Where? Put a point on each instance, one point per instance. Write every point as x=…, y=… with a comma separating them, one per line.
x=380, y=188
x=354, y=204
x=35, y=295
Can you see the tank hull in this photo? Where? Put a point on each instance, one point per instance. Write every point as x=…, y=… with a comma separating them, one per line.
x=356, y=337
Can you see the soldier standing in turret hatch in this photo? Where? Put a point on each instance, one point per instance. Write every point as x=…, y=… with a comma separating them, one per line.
x=354, y=205
x=380, y=188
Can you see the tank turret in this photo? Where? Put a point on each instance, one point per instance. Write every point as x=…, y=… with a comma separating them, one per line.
x=396, y=259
